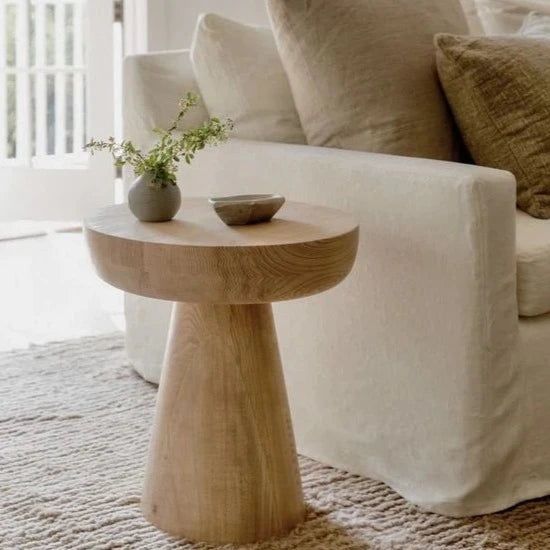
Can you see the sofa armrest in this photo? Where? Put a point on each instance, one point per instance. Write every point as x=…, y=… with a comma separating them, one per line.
x=437, y=238
x=426, y=322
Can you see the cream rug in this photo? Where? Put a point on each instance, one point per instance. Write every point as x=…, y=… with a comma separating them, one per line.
x=74, y=423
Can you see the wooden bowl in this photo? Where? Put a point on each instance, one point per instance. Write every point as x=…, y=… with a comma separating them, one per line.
x=246, y=209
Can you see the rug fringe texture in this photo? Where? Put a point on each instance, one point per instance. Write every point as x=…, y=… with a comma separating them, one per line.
x=74, y=427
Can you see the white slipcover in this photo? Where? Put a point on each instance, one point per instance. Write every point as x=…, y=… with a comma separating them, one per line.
x=415, y=370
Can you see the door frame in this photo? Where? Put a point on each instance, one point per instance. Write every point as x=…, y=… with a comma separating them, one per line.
x=145, y=26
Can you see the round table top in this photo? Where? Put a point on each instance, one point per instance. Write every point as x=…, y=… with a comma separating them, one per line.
x=197, y=258
x=196, y=224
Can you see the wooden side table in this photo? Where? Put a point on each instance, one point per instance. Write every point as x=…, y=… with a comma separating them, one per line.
x=222, y=463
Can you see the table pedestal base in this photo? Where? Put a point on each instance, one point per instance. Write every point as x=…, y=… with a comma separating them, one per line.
x=222, y=461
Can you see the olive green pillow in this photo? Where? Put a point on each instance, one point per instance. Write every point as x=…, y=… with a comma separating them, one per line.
x=499, y=90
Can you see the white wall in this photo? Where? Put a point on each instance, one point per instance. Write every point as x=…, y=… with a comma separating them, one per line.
x=174, y=20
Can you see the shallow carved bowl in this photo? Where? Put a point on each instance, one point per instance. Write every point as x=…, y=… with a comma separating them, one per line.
x=246, y=209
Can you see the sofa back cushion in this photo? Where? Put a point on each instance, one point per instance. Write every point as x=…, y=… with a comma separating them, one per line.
x=240, y=76
x=362, y=72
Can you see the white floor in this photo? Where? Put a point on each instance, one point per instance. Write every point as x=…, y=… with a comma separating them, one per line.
x=49, y=291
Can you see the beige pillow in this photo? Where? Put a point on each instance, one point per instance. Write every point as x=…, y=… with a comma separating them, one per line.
x=363, y=75
x=499, y=90
x=240, y=76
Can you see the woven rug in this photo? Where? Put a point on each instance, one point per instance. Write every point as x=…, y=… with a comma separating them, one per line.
x=74, y=424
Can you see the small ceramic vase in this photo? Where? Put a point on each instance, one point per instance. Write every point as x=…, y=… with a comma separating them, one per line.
x=153, y=203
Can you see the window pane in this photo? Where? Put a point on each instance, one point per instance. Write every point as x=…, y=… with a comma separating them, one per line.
x=33, y=114
x=12, y=110
x=84, y=110
x=11, y=23
x=69, y=139
x=39, y=72
x=69, y=34
x=32, y=34
x=50, y=115
x=50, y=34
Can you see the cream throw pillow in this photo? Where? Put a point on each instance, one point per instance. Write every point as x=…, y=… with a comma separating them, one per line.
x=240, y=76
x=499, y=90
x=363, y=75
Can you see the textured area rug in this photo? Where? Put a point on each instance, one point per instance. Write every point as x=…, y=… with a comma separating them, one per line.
x=74, y=425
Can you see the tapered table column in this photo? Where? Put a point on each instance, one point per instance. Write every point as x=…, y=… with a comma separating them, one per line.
x=222, y=463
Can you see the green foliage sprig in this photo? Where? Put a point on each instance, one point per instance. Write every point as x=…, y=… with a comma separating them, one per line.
x=162, y=160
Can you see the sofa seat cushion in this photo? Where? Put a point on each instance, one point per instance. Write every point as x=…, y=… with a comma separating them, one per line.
x=533, y=264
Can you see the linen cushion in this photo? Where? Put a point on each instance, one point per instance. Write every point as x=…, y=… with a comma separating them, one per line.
x=240, y=76
x=533, y=264
x=363, y=74
x=499, y=90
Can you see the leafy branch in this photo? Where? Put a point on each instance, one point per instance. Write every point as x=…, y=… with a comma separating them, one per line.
x=172, y=146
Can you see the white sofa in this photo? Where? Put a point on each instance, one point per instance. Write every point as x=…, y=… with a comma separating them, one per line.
x=417, y=370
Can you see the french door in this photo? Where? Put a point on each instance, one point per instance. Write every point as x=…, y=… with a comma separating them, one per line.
x=56, y=91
